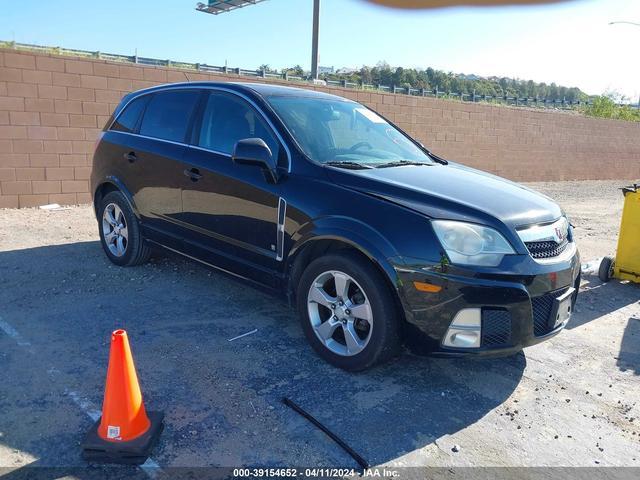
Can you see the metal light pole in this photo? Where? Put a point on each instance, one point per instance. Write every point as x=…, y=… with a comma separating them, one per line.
x=216, y=7
x=314, y=40
x=627, y=23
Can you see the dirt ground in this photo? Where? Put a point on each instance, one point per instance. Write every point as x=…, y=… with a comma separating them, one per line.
x=571, y=401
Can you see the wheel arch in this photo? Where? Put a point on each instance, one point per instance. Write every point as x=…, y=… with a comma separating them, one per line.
x=322, y=241
x=113, y=184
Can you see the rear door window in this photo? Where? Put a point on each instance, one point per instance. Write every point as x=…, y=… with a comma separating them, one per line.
x=168, y=114
x=227, y=119
x=128, y=119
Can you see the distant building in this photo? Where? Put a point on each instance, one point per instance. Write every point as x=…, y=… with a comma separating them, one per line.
x=346, y=71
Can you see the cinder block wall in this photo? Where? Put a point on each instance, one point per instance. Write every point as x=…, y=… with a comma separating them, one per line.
x=52, y=108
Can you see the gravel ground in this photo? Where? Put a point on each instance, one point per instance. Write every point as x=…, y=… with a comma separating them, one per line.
x=571, y=401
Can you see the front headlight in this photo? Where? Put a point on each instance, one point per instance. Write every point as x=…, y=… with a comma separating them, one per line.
x=470, y=244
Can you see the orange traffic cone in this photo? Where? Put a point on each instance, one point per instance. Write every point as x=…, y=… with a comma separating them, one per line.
x=124, y=433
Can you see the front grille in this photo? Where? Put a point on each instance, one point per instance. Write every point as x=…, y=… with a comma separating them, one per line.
x=496, y=327
x=547, y=249
x=542, y=307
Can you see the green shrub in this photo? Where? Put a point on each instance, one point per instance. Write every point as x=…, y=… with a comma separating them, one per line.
x=606, y=107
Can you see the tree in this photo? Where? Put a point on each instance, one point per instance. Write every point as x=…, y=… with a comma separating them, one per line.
x=605, y=106
x=383, y=74
x=297, y=71
x=266, y=68
x=366, y=75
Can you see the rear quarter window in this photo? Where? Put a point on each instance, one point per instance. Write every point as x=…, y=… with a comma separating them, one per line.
x=168, y=114
x=128, y=119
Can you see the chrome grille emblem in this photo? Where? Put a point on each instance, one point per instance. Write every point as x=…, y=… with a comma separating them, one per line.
x=547, y=242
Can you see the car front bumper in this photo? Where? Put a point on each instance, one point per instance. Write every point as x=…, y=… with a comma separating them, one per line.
x=516, y=301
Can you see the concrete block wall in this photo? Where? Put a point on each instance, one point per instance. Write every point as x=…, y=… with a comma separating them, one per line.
x=52, y=108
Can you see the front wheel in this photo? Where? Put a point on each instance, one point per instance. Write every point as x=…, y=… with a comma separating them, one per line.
x=347, y=311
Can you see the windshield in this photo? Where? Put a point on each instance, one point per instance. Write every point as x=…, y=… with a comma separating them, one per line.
x=335, y=131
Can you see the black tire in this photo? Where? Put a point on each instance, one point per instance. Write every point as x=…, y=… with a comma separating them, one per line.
x=136, y=250
x=383, y=342
x=605, y=272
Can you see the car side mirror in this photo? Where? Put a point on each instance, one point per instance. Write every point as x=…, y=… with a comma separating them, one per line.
x=254, y=151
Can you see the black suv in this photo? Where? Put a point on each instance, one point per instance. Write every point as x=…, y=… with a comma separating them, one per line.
x=374, y=238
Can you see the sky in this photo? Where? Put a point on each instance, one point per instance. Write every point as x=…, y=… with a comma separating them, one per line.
x=568, y=43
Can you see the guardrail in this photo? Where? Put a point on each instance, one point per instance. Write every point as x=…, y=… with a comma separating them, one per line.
x=203, y=67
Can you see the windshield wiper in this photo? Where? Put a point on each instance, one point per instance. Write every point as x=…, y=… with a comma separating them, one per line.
x=400, y=163
x=347, y=164
x=436, y=157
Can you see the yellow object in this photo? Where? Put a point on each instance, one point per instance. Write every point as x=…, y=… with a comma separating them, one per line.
x=627, y=263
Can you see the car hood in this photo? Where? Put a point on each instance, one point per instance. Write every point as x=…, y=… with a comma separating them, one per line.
x=453, y=191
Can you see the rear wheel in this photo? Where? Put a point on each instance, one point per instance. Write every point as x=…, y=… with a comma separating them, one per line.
x=120, y=233
x=605, y=272
x=347, y=311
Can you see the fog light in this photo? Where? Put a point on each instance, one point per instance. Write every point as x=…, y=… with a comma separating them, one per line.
x=464, y=331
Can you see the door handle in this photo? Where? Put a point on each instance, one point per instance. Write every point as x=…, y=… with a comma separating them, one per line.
x=131, y=156
x=193, y=174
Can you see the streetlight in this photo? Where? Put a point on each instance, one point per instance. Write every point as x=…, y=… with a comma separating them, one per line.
x=216, y=7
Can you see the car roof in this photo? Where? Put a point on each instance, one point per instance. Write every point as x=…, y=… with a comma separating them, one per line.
x=270, y=89
x=261, y=89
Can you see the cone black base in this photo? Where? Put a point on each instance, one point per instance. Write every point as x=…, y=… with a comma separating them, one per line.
x=133, y=452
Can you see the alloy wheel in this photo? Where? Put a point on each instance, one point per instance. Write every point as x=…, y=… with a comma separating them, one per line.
x=114, y=229
x=340, y=313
